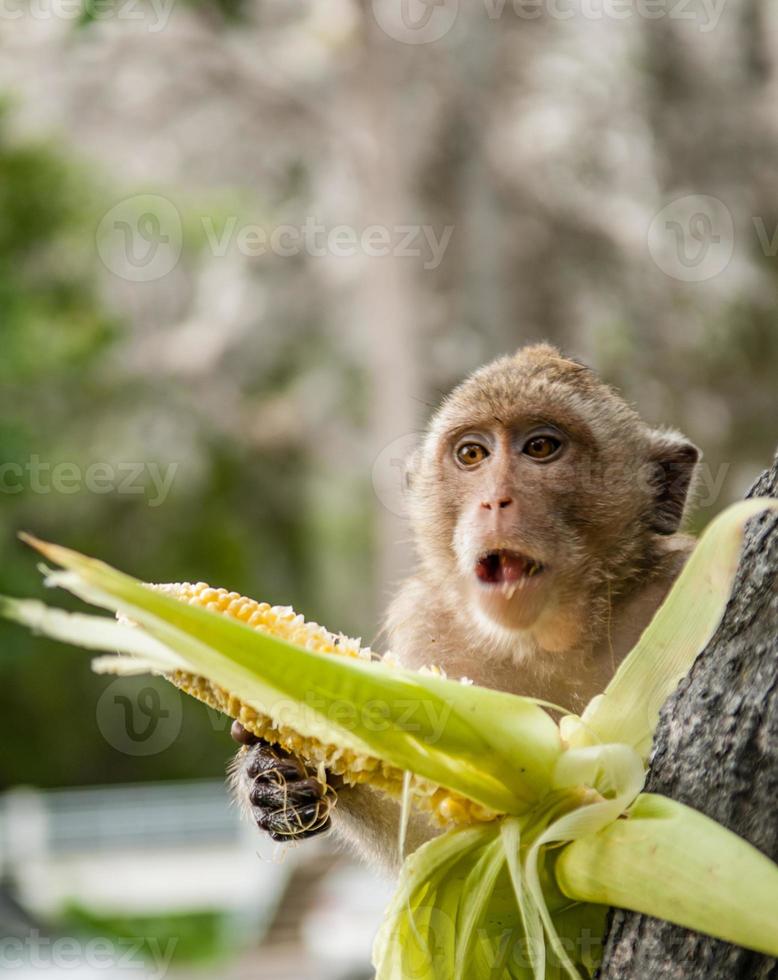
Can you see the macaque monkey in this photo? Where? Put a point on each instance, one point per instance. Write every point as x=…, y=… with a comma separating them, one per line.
x=546, y=517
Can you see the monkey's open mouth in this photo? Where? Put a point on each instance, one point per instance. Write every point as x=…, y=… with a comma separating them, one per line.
x=506, y=568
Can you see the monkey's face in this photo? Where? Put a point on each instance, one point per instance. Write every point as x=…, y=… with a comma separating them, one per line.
x=508, y=537
x=536, y=488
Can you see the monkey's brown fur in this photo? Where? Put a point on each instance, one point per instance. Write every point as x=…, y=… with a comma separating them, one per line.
x=599, y=519
x=602, y=517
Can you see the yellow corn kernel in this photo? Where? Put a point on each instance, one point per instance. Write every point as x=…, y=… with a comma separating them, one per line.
x=444, y=806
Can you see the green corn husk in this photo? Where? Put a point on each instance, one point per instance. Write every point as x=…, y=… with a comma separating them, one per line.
x=672, y=862
x=523, y=895
x=487, y=746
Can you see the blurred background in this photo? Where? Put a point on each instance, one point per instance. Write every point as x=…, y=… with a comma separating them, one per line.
x=245, y=247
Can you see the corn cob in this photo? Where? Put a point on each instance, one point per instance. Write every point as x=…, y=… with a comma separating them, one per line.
x=444, y=806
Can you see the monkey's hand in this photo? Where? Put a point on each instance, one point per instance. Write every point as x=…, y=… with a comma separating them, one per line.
x=286, y=800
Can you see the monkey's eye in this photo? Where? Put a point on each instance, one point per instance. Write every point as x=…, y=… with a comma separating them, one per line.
x=541, y=447
x=471, y=453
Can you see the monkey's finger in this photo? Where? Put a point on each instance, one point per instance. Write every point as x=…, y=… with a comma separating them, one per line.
x=296, y=824
x=285, y=795
x=243, y=735
x=261, y=759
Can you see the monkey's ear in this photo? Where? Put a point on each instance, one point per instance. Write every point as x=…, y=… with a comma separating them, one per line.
x=674, y=459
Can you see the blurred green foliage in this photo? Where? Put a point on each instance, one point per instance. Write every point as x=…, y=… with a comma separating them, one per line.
x=237, y=516
x=188, y=937
x=52, y=323
x=228, y=11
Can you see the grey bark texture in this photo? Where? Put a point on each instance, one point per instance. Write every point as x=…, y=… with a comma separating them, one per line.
x=716, y=749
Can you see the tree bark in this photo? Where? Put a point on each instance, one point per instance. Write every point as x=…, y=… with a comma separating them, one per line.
x=716, y=749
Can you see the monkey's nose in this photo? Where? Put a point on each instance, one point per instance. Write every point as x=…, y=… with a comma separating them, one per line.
x=498, y=503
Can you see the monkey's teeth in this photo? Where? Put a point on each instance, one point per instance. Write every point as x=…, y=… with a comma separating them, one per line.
x=507, y=570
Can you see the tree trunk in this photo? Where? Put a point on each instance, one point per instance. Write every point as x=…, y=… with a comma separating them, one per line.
x=716, y=749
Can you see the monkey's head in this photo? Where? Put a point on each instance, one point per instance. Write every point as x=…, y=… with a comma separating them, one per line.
x=538, y=490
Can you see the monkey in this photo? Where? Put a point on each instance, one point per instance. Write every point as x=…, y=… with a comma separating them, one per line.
x=547, y=523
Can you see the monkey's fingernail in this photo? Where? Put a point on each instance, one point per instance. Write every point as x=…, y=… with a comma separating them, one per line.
x=243, y=735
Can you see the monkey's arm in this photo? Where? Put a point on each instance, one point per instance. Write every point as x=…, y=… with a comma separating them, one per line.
x=370, y=824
